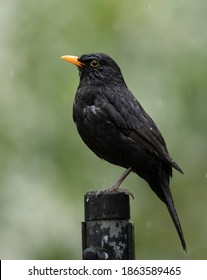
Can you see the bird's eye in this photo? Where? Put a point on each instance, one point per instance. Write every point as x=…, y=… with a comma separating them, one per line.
x=94, y=63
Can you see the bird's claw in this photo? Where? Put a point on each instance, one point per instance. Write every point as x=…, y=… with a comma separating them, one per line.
x=114, y=189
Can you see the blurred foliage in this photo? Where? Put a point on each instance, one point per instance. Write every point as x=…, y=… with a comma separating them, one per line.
x=45, y=169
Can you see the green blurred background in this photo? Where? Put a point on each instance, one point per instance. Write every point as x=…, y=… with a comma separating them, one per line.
x=45, y=169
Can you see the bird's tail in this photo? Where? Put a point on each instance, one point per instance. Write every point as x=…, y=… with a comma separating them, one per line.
x=171, y=208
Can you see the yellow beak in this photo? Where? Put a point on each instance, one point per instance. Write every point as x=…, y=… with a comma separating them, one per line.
x=73, y=59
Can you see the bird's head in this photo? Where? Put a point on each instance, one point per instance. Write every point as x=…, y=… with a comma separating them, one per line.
x=96, y=69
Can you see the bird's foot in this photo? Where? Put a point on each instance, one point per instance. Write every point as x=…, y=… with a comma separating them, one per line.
x=115, y=189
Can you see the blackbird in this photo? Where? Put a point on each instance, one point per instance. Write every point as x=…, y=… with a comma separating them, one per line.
x=114, y=125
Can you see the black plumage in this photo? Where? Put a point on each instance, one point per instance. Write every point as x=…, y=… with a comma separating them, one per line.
x=113, y=124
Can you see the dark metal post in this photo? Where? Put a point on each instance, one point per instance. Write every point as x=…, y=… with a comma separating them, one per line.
x=107, y=232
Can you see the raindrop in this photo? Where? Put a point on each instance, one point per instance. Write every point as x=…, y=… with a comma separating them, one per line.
x=148, y=224
x=160, y=102
x=12, y=73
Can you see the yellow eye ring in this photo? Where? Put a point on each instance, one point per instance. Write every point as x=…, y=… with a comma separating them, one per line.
x=94, y=63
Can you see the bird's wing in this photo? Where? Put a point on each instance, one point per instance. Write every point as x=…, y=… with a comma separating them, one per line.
x=129, y=116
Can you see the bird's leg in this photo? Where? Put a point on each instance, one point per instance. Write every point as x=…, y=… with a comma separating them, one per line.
x=115, y=187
